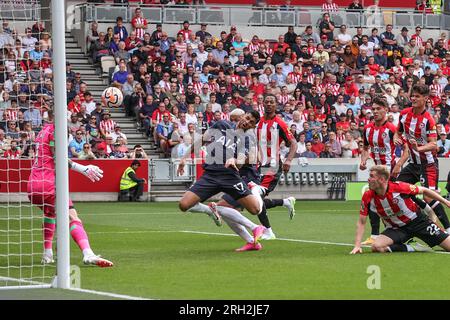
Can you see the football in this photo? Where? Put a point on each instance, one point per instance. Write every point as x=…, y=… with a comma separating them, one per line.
x=112, y=97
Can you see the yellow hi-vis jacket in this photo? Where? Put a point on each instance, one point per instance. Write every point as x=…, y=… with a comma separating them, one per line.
x=125, y=182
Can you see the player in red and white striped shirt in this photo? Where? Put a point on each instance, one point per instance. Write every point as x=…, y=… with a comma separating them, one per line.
x=379, y=145
x=392, y=202
x=330, y=7
x=417, y=127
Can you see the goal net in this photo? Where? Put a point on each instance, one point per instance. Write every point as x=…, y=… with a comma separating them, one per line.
x=26, y=95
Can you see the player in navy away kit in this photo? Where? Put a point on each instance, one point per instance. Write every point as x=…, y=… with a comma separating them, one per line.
x=221, y=172
x=402, y=217
x=419, y=131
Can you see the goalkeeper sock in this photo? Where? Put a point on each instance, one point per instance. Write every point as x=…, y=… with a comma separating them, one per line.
x=271, y=203
x=440, y=213
x=79, y=235
x=49, y=226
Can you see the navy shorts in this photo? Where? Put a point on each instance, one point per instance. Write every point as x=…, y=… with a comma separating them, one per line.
x=211, y=183
x=246, y=178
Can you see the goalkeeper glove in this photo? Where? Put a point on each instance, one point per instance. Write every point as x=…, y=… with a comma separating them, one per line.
x=94, y=173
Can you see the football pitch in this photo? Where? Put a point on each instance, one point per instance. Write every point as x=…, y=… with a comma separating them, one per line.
x=162, y=253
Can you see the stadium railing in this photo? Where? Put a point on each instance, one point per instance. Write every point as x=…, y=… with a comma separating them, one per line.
x=268, y=16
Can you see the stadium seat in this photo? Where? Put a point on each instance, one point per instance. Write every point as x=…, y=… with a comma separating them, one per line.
x=296, y=177
x=318, y=178
x=282, y=179
x=289, y=178
x=325, y=178
x=304, y=178
x=311, y=178
x=107, y=62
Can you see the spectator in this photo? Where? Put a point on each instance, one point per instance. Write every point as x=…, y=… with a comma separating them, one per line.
x=327, y=26
x=107, y=125
x=443, y=144
x=118, y=133
x=138, y=153
x=139, y=24
x=308, y=153
x=13, y=152
x=76, y=145
x=120, y=29
x=317, y=146
x=326, y=153
x=348, y=146
x=86, y=153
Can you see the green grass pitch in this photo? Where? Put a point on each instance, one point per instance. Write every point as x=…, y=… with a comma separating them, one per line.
x=161, y=253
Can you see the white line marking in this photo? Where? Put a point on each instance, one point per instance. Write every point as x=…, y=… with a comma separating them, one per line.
x=110, y=294
x=234, y=235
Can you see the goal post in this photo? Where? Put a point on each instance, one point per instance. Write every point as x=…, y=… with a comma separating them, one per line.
x=21, y=222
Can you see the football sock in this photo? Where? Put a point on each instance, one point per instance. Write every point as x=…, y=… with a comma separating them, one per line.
x=79, y=236
x=286, y=203
x=236, y=217
x=374, y=223
x=201, y=208
x=440, y=213
x=271, y=203
x=400, y=248
x=263, y=218
x=239, y=230
x=49, y=226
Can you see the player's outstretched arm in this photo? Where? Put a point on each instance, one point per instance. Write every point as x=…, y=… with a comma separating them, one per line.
x=434, y=195
x=360, y=226
x=92, y=172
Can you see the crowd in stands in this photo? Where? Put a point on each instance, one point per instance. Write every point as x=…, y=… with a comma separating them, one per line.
x=26, y=96
x=178, y=85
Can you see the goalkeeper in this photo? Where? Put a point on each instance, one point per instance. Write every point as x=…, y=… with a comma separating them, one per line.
x=41, y=192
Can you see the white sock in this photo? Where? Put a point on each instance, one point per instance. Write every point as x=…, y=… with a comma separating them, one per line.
x=239, y=230
x=235, y=216
x=48, y=252
x=409, y=248
x=373, y=236
x=447, y=230
x=200, y=208
x=88, y=252
x=286, y=203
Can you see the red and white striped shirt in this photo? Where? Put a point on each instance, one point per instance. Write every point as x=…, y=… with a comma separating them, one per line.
x=11, y=115
x=283, y=99
x=395, y=210
x=107, y=126
x=334, y=88
x=381, y=143
x=253, y=47
x=419, y=40
x=420, y=128
x=213, y=87
x=330, y=7
x=260, y=109
x=235, y=78
x=197, y=87
x=270, y=133
x=311, y=78
x=181, y=65
x=295, y=77
x=311, y=50
x=436, y=87
x=139, y=31
x=225, y=116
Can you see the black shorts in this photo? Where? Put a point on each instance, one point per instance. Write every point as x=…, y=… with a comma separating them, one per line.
x=426, y=174
x=270, y=178
x=422, y=228
x=211, y=183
